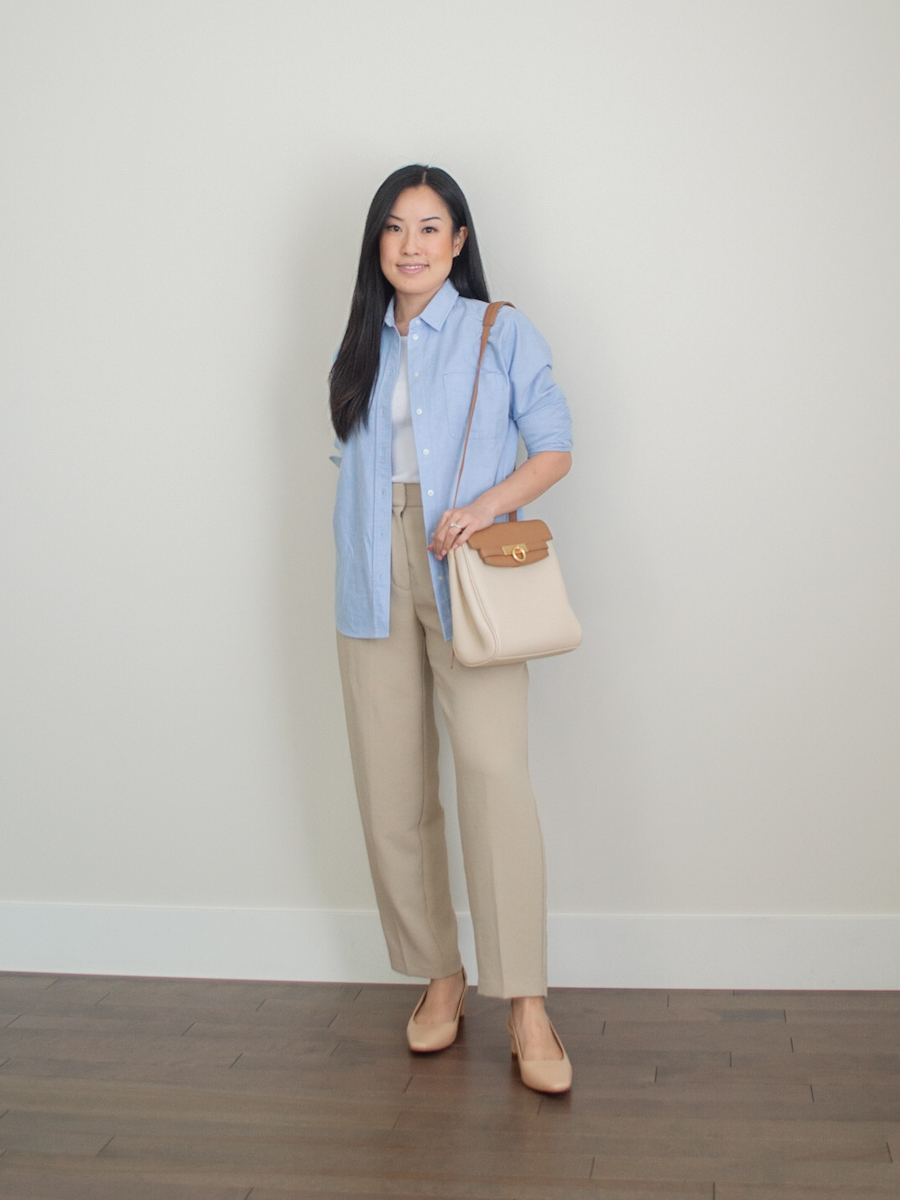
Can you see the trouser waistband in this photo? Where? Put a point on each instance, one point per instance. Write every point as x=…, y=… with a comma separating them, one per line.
x=407, y=495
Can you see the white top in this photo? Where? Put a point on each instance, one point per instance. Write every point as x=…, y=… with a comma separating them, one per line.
x=404, y=464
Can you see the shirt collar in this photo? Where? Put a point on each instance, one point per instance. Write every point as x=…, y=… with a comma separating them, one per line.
x=437, y=310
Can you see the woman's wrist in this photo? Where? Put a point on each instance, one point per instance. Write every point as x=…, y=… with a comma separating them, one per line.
x=494, y=504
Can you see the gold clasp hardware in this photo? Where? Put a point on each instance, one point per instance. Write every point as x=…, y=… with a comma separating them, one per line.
x=519, y=551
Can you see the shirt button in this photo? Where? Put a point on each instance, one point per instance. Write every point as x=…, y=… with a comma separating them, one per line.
x=415, y=337
x=418, y=412
x=415, y=374
x=430, y=492
x=426, y=451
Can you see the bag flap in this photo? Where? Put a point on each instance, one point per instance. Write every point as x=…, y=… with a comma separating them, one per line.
x=512, y=543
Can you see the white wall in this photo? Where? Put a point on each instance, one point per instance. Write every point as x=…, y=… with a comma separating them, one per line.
x=697, y=202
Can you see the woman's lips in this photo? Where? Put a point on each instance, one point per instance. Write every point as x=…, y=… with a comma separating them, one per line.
x=411, y=268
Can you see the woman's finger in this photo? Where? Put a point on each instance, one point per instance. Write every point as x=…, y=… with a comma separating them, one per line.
x=446, y=539
x=449, y=530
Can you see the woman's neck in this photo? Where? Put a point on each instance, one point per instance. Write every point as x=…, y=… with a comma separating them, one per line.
x=407, y=308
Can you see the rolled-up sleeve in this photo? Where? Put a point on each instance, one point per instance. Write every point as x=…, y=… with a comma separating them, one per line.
x=537, y=403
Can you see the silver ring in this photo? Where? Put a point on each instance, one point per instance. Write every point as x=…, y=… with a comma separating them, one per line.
x=453, y=525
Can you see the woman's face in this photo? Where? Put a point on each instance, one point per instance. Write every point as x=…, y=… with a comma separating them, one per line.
x=418, y=244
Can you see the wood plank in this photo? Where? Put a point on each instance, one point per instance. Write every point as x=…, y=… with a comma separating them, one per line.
x=33, y=1180
x=750, y=1191
x=869, y=1037
x=494, y=1189
x=808, y=1014
x=885, y=1001
x=699, y=1035
x=850, y=1147
x=262, y=1156
x=24, y=981
x=202, y=994
x=43, y=1140
x=687, y=999
x=842, y=1064
x=357, y=1123
x=103, y=1103
x=76, y=1046
x=89, y=1021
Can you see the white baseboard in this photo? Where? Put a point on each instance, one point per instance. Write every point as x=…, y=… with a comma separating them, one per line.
x=586, y=950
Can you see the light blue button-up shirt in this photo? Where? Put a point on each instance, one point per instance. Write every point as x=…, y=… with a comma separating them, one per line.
x=516, y=396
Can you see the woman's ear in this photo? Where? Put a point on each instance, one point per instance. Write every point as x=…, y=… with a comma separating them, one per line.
x=459, y=239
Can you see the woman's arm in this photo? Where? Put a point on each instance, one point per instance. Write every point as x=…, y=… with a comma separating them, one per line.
x=526, y=483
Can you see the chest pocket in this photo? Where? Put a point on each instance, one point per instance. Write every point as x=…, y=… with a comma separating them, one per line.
x=491, y=418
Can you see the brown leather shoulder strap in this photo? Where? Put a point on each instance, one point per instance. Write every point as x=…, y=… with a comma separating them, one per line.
x=490, y=316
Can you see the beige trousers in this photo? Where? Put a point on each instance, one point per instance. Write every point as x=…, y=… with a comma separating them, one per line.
x=388, y=688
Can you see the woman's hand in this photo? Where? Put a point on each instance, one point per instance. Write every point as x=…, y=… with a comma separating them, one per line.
x=458, y=524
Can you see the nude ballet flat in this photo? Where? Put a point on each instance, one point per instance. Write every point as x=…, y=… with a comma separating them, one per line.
x=541, y=1074
x=425, y=1039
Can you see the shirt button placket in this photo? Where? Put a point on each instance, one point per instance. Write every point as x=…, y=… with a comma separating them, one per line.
x=414, y=337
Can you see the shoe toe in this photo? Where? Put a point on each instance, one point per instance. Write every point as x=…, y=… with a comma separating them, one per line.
x=425, y=1039
x=551, y=1077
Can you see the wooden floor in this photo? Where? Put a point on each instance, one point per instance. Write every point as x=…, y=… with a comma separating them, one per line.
x=152, y=1089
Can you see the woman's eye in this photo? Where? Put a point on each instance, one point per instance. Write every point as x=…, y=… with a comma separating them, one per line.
x=392, y=229
x=429, y=229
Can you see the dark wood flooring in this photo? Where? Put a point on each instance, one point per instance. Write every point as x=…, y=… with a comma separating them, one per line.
x=162, y=1089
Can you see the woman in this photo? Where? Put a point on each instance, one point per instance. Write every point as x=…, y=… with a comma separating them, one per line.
x=401, y=386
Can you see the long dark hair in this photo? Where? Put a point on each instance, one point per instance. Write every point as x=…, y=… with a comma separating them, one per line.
x=356, y=366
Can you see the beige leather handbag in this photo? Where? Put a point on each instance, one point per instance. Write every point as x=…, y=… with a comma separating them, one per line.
x=507, y=595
